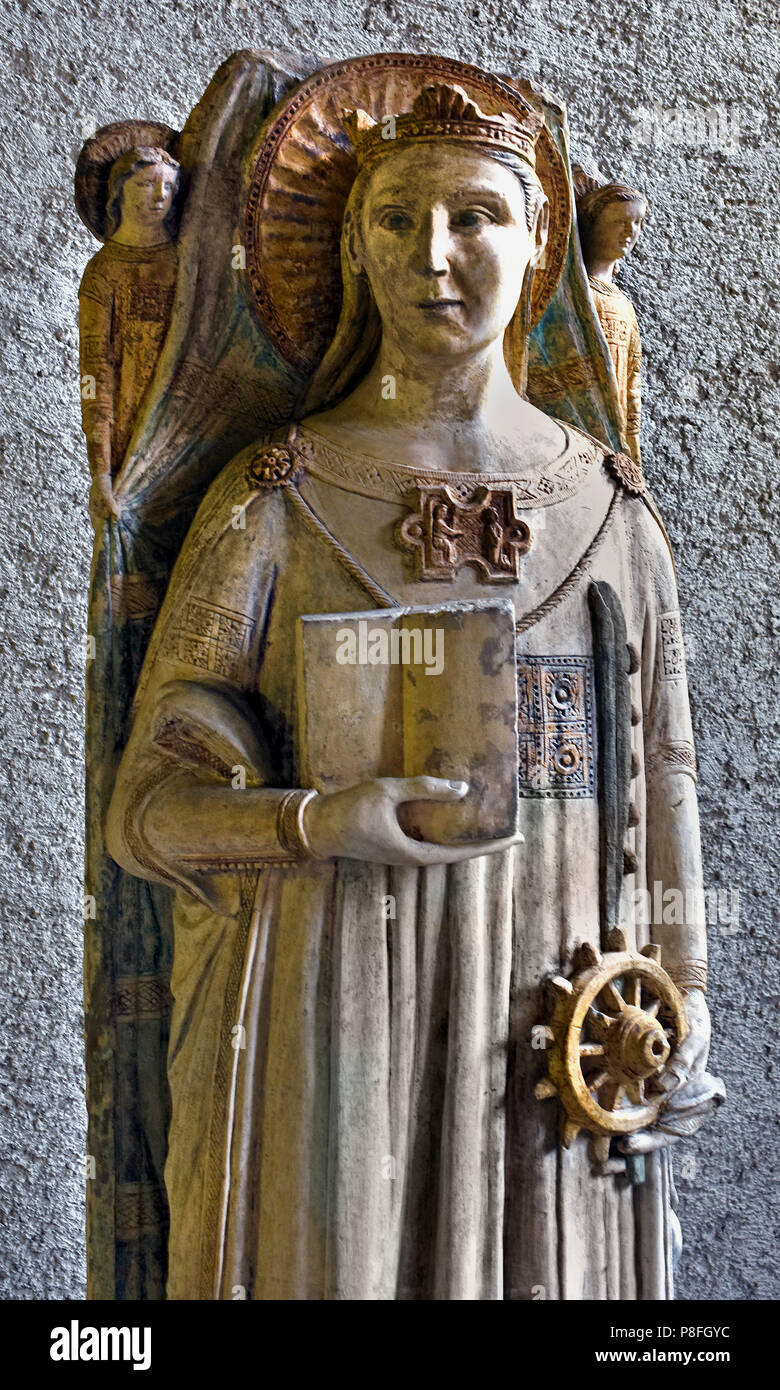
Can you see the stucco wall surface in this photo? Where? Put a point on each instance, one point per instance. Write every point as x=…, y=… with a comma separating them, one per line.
x=674, y=97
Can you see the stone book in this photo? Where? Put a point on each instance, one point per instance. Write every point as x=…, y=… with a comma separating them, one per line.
x=405, y=692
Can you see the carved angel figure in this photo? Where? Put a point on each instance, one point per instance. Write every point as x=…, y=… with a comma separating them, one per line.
x=610, y=218
x=125, y=303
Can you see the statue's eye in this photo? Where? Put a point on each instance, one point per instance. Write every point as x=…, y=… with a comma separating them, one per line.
x=396, y=221
x=471, y=217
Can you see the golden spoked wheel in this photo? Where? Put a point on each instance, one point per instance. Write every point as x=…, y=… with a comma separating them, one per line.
x=614, y=1026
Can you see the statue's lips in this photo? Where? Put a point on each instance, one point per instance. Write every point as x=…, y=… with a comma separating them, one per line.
x=432, y=306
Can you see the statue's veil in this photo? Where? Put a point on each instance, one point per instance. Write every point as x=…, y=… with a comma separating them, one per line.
x=266, y=169
x=356, y=340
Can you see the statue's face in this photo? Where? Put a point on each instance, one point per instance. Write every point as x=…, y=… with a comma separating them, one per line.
x=444, y=242
x=148, y=194
x=617, y=228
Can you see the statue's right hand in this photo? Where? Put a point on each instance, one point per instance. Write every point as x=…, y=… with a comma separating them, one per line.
x=102, y=503
x=361, y=822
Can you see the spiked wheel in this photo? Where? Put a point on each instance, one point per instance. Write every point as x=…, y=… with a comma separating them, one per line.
x=614, y=1026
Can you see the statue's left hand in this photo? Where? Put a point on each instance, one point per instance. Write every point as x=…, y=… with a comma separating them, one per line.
x=692, y=1095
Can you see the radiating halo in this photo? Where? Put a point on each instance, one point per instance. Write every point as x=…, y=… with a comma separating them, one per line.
x=300, y=175
x=99, y=153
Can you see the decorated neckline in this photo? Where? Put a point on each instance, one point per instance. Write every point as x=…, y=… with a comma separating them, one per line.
x=392, y=482
x=605, y=287
x=124, y=252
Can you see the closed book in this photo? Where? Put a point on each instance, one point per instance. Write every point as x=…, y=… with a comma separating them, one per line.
x=410, y=691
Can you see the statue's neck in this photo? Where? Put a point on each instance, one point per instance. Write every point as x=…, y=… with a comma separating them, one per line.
x=474, y=391
x=459, y=415
x=600, y=269
x=157, y=235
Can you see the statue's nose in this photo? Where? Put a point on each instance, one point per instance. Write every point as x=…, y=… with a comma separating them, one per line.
x=434, y=243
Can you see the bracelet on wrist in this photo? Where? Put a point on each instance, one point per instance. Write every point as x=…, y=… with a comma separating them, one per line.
x=289, y=824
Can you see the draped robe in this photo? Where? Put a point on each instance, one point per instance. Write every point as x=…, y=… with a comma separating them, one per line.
x=619, y=325
x=353, y=1107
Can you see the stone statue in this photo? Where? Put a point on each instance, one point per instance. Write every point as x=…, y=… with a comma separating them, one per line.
x=610, y=218
x=386, y=511
x=126, y=293
x=363, y=1061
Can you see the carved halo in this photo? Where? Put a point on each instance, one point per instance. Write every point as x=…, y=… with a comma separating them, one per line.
x=99, y=153
x=301, y=172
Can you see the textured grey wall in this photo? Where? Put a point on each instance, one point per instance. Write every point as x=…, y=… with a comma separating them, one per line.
x=674, y=96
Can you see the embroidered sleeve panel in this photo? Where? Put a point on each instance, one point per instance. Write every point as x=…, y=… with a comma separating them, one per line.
x=689, y=974
x=96, y=364
x=210, y=638
x=672, y=646
x=673, y=851
x=677, y=756
x=212, y=618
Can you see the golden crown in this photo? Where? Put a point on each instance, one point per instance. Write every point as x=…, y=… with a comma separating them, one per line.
x=444, y=111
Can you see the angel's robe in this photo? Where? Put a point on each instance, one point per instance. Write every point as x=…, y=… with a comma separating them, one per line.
x=125, y=304
x=353, y=1092
x=619, y=325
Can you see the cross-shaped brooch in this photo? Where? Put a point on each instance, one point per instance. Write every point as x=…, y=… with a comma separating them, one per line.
x=445, y=534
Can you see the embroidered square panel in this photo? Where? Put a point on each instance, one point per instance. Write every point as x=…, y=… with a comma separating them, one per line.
x=557, y=755
x=211, y=638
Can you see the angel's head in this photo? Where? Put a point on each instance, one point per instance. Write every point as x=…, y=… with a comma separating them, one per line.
x=610, y=218
x=142, y=187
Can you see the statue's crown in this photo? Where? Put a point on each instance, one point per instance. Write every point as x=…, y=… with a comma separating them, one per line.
x=444, y=111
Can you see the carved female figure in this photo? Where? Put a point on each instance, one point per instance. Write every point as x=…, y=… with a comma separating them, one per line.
x=353, y=1104
x=610, y=218
x=125, y=303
